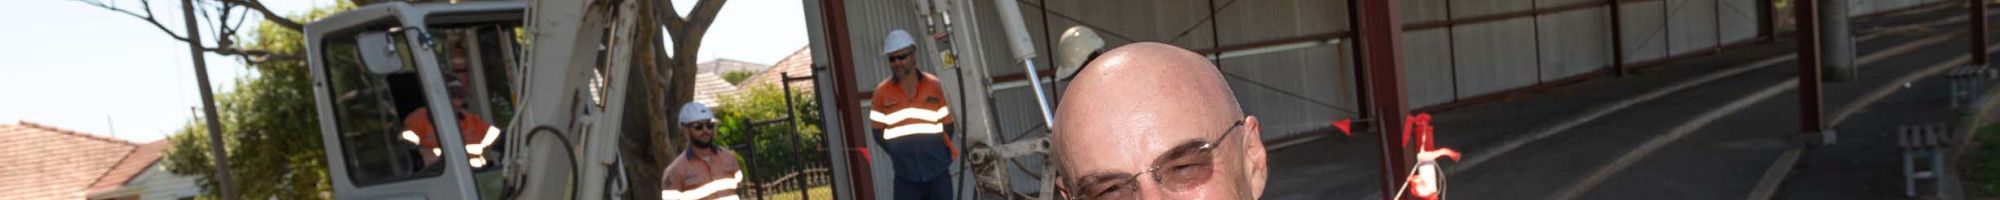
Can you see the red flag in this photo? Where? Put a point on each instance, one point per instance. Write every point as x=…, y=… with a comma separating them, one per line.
x=1344, y=125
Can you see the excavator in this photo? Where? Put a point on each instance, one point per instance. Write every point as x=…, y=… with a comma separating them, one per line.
x=549, y=112
x=526, y=99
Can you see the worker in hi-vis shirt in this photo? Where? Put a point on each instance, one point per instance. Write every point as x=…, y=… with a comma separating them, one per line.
x=912, y=122
x=705, y=170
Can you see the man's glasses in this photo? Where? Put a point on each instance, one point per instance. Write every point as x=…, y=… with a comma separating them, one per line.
x=1180, y=168
x=899, y=57
x=699, y=126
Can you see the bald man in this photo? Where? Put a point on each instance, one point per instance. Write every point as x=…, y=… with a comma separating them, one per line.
x=1154, y=121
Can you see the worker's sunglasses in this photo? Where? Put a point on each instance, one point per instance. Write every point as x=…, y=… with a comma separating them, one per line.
x=899, y=57
x=1180, y=168
x=699, y=126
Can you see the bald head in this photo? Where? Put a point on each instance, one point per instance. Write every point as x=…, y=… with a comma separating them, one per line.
x=1137, y=85
x=1137, y=102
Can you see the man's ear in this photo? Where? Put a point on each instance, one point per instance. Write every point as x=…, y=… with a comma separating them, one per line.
x=1254, y=155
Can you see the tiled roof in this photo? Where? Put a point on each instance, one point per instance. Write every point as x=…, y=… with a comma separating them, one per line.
x=43, y=162
x=138, y=161
x=796, y=65
x=723, y=65
x=709, y=89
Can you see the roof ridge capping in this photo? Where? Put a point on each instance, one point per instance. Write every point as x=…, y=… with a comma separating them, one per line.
x=26, y=123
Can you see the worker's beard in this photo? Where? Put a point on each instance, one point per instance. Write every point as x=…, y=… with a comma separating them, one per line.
x=710, y=144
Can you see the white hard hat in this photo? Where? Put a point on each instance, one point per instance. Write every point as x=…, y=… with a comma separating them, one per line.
x=1074, y=49
x=695, y=111
x=898, y=40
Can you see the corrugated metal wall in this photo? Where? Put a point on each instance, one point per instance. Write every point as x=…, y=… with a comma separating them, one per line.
x=1864, y=7
x=1293, y=91
x=1573, y=43
x=1289, y=91
x=869, y=22
x=1298, y=90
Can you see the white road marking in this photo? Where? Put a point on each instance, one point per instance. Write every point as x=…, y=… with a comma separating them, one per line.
x=1604, y=172
x=1767, y=186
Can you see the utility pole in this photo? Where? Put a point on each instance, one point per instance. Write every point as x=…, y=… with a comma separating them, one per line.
x=110, y=126
x=215, y=146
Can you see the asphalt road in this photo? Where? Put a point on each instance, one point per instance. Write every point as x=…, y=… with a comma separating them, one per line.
x=1601, y=158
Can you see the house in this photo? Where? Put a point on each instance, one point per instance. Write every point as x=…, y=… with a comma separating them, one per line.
x=140, y=176
x=44, y=162
x=709, y=89
x=725, y=65
x=799, y=64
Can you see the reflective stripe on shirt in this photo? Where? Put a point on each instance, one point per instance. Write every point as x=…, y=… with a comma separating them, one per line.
x=912, y=129
x=920, y=114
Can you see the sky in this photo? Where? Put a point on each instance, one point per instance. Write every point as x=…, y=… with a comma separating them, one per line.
x=75, y=66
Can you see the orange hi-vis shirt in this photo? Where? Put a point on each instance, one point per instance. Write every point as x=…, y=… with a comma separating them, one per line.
x=900, y=114
x=471, y=129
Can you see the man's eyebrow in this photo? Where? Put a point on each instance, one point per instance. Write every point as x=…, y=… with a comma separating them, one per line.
x=1182, y=150
x=1099, y=177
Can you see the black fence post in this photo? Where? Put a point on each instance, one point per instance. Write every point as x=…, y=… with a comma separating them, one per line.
x=749, y=149
x=791, y=121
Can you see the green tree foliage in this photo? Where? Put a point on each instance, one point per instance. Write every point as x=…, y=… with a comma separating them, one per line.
x=774, y=154
x=737, y=77
x=269, y=124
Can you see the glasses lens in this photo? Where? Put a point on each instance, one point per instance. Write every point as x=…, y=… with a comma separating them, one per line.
x=699, y=126
x=1176, y=172
x=1186, y=171
x=1117, y=188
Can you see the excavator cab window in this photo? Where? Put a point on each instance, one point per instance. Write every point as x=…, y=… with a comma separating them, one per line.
x=481, y=57
x=370, y=101
x=395, y=80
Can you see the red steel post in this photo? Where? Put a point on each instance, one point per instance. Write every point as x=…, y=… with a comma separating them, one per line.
x=1978, y=23
x=1617, y=39
x=1380, y=36
x=1805, y=14
x=845, y=96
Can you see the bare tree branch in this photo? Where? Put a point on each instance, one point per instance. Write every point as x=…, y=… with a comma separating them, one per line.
x=146, y=6
x=258, y=5
x=253, y=55
x=226, y=31
x=665, y=13
x=680, y=29
x=208, y=19
x=704, y=13
x=239, y=23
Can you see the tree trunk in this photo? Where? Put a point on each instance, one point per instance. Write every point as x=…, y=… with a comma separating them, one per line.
x=662, y=97
x=646, y=158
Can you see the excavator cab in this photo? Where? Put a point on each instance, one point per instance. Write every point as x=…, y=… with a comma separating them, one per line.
x=414, y=98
